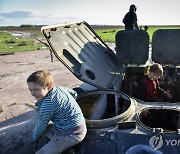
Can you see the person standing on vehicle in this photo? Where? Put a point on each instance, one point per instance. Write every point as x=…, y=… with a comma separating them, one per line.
x=130, y=19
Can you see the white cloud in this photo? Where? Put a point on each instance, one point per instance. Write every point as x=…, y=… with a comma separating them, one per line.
x=33, y=17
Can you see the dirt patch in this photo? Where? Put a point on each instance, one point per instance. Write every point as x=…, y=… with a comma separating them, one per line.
x=14, y=70
x=15, y=98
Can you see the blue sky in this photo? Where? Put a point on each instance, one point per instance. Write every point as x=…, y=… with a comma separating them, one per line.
x=109, y=12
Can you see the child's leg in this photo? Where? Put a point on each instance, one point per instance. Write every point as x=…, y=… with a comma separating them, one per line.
x=60, y=142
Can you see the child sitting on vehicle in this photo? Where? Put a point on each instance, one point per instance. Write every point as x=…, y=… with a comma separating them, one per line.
x=56, y=104
x=149, y=89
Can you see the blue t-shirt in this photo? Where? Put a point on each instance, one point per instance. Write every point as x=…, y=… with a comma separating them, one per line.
x=59, y=106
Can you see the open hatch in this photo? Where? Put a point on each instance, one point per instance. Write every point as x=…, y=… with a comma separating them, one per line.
x=84, y=53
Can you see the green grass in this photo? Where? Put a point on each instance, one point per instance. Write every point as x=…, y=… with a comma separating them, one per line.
x=108, y=34
x=9, y=43
x=152, y=29
x=36, y=31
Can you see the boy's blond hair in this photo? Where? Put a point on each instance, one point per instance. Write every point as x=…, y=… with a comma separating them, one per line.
x=156, y=68
x=41, y=77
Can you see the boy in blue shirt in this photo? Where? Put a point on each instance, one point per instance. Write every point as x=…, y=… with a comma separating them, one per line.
x=56, y=104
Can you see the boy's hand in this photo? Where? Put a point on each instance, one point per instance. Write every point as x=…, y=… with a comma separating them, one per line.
x=35, y=143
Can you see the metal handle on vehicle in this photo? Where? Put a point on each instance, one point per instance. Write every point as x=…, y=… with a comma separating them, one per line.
x=158, y=130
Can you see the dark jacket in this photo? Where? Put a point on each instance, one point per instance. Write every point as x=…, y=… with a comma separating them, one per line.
x=130, y=21
x=149, y=90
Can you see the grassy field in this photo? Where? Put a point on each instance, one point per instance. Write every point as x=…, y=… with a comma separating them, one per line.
x=36, y=31
x=10, y=43
x=108, y=34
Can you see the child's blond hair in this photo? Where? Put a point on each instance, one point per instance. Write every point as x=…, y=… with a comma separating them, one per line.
x=156, y=68
x=41, y=77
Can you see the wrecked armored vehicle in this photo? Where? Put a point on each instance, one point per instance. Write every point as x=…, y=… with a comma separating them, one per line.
x=114, y=115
